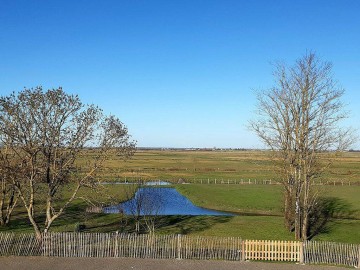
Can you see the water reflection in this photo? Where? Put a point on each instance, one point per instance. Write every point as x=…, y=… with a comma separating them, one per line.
x=157, y=183
x=160, y=201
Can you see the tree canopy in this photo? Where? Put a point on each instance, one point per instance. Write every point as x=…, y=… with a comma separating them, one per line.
x=300, y=119
x=44, y=134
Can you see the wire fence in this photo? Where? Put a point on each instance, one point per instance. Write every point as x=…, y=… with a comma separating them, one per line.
x=224, y=181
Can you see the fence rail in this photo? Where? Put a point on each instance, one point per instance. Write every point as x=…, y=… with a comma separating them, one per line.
x=177, y=247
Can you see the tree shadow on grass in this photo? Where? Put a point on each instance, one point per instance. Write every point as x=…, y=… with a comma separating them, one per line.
x=17, y=223
x=190, y=224
x=176, y=224
x=325, y=212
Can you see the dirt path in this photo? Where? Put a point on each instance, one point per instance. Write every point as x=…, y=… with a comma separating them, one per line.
x=43, y=263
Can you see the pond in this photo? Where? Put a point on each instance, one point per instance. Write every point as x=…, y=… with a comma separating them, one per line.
x=161, y=201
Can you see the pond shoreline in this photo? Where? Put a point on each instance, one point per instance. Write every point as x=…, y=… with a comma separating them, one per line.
x=161, y=201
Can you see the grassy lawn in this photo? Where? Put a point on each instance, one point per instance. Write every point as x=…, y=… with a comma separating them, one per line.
x=74, y=214
x=261, y=199
x=247, y=227
x=341, y=230
x=242, y=199
x=258, y=206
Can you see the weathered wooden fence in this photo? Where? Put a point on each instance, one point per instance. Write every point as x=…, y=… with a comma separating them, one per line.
x=19, y=245
x=121, y=245
x=331, y=253
x=177, y=247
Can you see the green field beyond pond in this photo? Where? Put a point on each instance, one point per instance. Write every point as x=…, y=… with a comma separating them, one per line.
x=258, y=208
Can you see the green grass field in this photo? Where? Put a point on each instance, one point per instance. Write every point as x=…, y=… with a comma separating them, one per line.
x=261, y=199
x=241, y=199
x=259, y=207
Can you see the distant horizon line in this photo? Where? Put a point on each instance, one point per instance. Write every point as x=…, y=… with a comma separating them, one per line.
x=216, y=148
x=196, y=148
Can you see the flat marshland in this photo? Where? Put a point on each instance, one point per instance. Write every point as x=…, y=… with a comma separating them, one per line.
x=230, y=164
x=258, y=207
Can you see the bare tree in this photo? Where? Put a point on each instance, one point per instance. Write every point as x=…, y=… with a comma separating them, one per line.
x=8, y=193
x=59, y=143
x=133, y=203
x=152, y=207
x=144, y=204
x=299, y=119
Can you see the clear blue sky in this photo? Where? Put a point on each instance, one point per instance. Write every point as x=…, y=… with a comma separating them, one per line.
x=178, y=73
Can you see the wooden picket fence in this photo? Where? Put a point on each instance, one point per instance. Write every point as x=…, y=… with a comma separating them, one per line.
x=273, y=250
x=101, y=245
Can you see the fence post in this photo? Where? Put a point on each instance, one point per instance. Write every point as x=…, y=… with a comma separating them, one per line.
x=43, y=246
x=243, y=251
x=179, y=247
x=301, y=251
x=359, y=258
x=116, y=253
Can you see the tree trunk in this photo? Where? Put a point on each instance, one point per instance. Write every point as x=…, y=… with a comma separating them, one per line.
x=34, y=224
x=297, y=225
x=5, y=213
x=305, y=227
x=306, y=210
x=2, y=202
x=2, y=221
x=288, y=210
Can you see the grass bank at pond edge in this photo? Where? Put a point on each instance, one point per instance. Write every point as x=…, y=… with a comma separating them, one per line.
x=242, y=199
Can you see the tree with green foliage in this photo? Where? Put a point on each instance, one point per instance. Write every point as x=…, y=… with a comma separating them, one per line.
x=48, y=134
x=299, y=120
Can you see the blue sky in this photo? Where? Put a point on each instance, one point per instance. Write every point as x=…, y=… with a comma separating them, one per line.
x=177, y=73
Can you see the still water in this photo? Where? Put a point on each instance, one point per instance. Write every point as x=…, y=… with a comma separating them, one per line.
x=161, y=201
